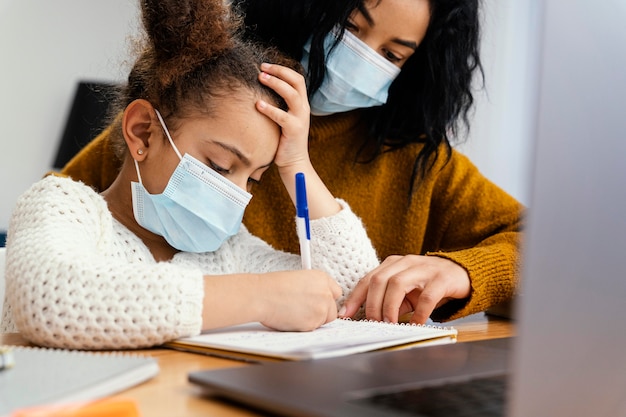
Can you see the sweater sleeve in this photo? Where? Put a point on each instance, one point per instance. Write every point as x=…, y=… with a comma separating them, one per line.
x=339, y=246
x=481, y=231
x=72, y=283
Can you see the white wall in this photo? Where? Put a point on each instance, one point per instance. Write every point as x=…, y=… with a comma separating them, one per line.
x=48, y=46
x=500, y=141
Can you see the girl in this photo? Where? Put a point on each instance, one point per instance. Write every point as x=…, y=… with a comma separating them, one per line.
x=160, y=254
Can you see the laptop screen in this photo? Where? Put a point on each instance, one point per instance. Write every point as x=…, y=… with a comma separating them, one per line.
x=571, y=328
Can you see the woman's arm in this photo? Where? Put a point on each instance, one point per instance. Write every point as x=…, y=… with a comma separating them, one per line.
x=482, y=231
x=96, y=164
x=471, y=262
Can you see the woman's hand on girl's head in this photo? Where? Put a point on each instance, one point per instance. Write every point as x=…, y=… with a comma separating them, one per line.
x=292, y=150
x=404, y=284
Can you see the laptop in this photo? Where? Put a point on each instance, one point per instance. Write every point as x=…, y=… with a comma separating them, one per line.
x=568, y=356
x=381, y=383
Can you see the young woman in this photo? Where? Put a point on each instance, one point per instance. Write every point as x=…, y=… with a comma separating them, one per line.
x=387, y=100
x=160, y=253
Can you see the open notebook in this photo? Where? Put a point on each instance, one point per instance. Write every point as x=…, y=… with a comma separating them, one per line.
x=41, y=376
x=337, y=338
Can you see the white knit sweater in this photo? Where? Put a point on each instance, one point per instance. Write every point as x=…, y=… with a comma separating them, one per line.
x=77, y=278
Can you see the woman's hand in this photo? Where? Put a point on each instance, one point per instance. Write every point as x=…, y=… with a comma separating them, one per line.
x=292, y=153
x=402, y=284
x=300, y=300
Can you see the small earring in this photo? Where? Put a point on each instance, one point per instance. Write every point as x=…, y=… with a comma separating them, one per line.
x=139, y=151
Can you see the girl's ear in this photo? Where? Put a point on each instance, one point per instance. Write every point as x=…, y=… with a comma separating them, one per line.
x=138, y=128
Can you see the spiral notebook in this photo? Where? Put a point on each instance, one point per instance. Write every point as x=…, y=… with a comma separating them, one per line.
x=337, y=338
x=41, y=376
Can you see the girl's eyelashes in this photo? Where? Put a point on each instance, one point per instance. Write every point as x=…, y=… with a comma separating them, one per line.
x=252, y=183
x=218, y=168
x=224, y=172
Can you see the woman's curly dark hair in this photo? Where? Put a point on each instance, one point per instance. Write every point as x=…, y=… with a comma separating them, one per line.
x=429, y=102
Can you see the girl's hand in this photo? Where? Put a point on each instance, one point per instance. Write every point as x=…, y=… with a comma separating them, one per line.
x=292, y=151
x=292, y=155
x=297, y=300
x=402, y=284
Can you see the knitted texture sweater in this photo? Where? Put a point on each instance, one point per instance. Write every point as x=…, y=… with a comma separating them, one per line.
x=77, y=278
x=455, y=212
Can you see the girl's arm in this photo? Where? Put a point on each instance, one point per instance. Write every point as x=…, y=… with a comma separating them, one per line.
x=78, y=279
x=292, y=155
x=340, y=247
x=283, y=300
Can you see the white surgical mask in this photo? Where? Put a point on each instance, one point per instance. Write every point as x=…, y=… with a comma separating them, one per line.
x=198, y=210
x=356, y=76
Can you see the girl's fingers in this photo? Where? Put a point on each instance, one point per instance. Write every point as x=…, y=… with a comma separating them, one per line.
x=284, y=89
x=294, y=96
x=277, y=115
x=289, y=76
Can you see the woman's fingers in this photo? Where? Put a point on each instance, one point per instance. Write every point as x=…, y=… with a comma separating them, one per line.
x=355, y=300
x=402, y=284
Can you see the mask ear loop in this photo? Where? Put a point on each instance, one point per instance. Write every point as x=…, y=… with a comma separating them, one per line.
x=167, y=133
x=138, y=174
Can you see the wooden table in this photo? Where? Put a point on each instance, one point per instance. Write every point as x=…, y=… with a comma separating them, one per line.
x=169, y=394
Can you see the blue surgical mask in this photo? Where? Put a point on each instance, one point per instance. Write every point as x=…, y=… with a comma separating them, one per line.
x=356, y=76
x=198, y=210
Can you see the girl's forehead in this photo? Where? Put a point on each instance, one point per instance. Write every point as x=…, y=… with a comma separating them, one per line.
x=238, y=124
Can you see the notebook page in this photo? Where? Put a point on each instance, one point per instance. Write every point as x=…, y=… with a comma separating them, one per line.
x=339, y=337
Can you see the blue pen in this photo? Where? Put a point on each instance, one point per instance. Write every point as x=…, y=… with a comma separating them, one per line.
x=302, y=221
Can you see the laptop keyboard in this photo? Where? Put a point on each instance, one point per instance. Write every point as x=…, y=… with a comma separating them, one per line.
x=480, y=397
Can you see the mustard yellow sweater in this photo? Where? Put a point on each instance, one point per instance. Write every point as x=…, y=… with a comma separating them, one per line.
x=455, y=212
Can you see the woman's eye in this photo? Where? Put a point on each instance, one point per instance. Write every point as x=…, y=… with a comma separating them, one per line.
x=351, y=27
x=391, y=56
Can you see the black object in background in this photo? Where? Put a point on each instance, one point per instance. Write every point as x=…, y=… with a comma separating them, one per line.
x=87, y=118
